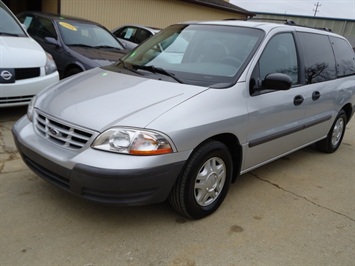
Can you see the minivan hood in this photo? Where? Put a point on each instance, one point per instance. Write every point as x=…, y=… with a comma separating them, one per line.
x=20, y=52
x=98, y=99
x=102, y=56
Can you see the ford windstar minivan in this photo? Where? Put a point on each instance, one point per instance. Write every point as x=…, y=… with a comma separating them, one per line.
x=25, y=68
x=183, y=115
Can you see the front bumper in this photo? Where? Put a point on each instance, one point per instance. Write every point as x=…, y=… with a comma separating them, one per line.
x=115, y=186
x=22, y=91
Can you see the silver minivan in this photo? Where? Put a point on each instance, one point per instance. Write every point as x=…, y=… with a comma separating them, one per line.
x=188, y=111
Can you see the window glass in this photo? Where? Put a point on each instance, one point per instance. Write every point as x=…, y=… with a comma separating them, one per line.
x=280, y=56
x=117, y=33
x=142, y=35
x=84, y=34
x=46, y=28
x=31, y=25
x=205, y=55
x=40, y=27
x=8, y=24
x=344, y=57
x=28, y=21
x=318, y=56
x=128, y=34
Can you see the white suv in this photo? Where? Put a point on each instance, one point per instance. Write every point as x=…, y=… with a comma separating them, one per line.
x=25, y=68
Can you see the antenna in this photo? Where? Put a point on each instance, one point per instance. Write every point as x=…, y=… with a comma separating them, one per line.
x=316, y=10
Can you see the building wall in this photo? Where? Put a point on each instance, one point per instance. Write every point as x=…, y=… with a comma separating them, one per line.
x=344, y=27
x=154, y=13
x=50, y=6
x=16, y=6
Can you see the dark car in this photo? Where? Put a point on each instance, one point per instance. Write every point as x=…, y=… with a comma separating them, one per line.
x=132, y=35
x=76, y=44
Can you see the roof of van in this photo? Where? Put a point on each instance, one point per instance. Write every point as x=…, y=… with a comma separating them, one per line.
x=265, y=25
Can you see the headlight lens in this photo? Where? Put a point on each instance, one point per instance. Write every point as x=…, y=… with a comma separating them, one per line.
x=133, y=141
x=50, y=66
x=30, y=108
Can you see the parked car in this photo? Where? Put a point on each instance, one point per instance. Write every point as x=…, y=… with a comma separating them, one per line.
x=25, y=68
x=132, y=35
x=241, y=95
x=75, y=44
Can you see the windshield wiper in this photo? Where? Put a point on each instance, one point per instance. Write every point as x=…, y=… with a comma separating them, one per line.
x=9, y=34
x=128, y=68
x=158, y=70
x=80, y=45
x=107, y=46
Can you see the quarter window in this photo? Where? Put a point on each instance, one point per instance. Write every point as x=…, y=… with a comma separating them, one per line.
x=318, y=56
x=344, y=56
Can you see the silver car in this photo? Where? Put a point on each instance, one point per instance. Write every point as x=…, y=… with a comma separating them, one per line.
x=132, y=35
x=188, y=111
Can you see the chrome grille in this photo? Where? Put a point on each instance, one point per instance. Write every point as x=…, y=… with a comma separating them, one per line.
x=62, y=134
x=16, y=99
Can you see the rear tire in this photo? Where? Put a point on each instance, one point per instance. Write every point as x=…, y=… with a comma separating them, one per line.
x=204, y=182
x=336, y=133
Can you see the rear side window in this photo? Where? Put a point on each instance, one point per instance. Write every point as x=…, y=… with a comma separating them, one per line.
x=319, y=58
x=128, y=34
x=344, y=57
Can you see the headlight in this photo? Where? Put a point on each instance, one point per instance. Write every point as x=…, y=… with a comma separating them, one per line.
x=50, y=66
x=133, y=141
x=30, y=108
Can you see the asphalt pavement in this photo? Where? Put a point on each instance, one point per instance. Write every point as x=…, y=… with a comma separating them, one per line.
x=298, y=210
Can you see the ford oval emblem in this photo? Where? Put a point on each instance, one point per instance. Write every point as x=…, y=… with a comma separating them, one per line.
x=54, y=132
x=6, y=75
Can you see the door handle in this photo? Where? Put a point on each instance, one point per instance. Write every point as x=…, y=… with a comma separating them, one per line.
x=298, y=100
x=315, y=95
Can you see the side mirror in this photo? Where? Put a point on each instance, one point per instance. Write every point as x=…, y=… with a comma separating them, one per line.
x=277, y=81
x=51, y=40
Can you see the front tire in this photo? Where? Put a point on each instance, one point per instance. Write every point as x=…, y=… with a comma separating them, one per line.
x=336, y=133
x=204, y=182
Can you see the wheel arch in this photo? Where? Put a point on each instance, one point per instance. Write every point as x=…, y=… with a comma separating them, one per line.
x=348, y=109
x=72, y=66
x=233, y=145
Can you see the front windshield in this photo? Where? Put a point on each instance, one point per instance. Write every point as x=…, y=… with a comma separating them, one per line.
x=84, y=34
x=8, y=24
x=205, y=55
